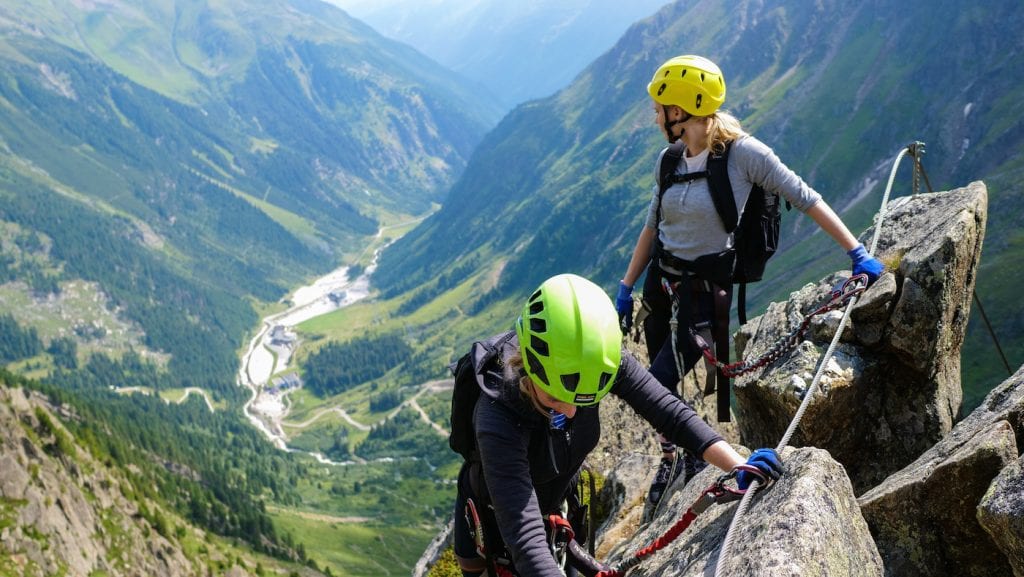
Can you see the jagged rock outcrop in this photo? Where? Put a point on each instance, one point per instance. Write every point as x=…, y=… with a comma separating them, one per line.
x=807, y=524
x=62, y=512
x=892, y=389
x=928, y=518
x=936, y=499
x=1001, y=513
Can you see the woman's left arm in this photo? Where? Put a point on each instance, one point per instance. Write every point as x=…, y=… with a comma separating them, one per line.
x=830, y=222
x=760, y=165
x=722, y=455
x=863, y=262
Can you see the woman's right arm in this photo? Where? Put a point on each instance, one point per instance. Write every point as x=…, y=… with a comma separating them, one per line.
x=661, y=408
x=641, y=256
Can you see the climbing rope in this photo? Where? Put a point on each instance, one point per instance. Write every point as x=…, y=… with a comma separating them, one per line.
x=916, y=148
x=673, y=324
x=992, y=333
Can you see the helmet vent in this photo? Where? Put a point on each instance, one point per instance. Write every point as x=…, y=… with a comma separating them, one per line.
x=603, y=381
x=538, y=325
x=571, y=381
x=536, y=308
x=681, y=75
x=702, y=77
x=536, y=369
x=699, y=98
x=539, y=345
x=662, y=88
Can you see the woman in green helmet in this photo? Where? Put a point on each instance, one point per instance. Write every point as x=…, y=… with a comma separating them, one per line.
x=537, y=419
x=685, y=243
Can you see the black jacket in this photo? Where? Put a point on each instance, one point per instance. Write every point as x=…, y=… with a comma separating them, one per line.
x=528, y=466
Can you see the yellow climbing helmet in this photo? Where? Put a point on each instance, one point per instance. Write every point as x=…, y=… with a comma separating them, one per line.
x=570, y=339
x=690, y=82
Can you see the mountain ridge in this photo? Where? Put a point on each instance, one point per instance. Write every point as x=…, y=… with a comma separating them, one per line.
x=574, y=170
x=291, y=156
x=535, y=47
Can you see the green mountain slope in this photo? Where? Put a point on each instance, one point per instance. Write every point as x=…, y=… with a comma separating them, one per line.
x=190, y=157
x=83, y=496
x=836, y=88
x=167, y=169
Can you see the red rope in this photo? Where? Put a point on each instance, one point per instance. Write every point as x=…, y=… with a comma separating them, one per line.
x=655, y=546
x=669, y=535
x=716, y=493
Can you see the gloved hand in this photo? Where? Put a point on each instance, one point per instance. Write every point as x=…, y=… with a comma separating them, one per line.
x=767, y=460
x=624, y=306
x=864, y=263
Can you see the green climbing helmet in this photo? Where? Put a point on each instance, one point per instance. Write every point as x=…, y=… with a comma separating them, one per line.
x=570, y=339
x=692, y=83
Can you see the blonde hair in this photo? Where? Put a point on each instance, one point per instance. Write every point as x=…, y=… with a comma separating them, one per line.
x=723, y=127
x=514, y=370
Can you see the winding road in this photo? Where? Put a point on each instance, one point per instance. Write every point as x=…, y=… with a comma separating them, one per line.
x=267, y=408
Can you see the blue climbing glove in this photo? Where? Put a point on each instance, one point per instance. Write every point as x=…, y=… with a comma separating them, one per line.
x=767, y=461
x=864, y=263
x=624, y=306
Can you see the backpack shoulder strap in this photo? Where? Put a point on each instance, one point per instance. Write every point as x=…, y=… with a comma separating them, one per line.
x=483, y=352
x=721, y=188
x=668, y=162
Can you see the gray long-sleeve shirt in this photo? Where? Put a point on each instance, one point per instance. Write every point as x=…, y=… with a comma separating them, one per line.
x=690, y=225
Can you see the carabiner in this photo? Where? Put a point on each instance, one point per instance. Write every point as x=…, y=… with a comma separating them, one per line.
x=846, y=289
x=667, y=287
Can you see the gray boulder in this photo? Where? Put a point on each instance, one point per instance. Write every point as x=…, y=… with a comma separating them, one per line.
x=925, y=518
x=1001, y=513
x=61, y=512
x=806, y=524
x=892, y=388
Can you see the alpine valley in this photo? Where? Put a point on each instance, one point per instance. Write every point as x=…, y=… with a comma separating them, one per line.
x=171, y=171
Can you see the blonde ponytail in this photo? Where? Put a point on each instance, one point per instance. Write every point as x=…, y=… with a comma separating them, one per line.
x=722, y=128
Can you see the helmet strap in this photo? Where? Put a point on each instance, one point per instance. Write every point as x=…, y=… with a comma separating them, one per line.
x=669, y=124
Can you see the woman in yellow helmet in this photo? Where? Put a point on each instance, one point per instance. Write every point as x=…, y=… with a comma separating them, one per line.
x=684, y=240
x=537, y=419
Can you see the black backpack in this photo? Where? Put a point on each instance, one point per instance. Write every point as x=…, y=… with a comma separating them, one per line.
x=756, y=234
x=469, y=371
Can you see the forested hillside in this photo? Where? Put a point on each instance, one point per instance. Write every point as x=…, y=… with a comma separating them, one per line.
x=837, y=89
x=191, y=488
x=191, y=159
x=169, y=172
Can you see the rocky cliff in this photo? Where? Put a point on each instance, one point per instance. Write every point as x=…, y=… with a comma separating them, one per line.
x=881, y=477
x=63, y=512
